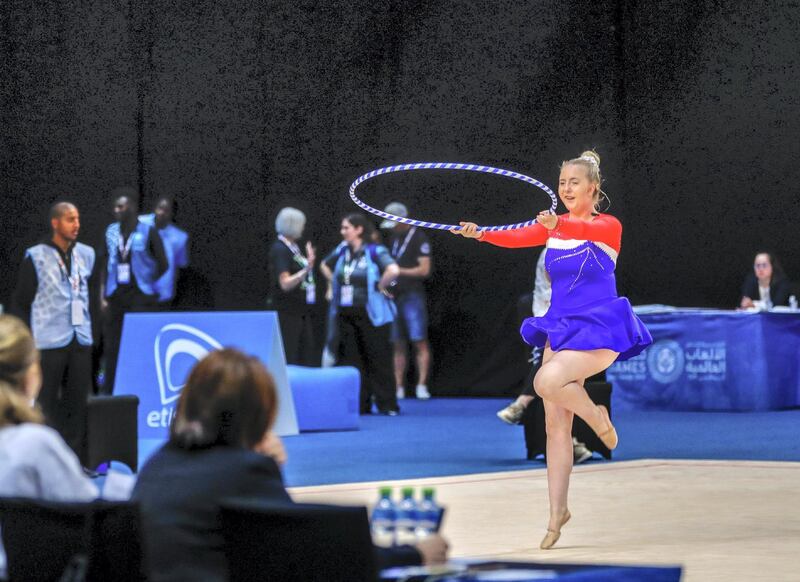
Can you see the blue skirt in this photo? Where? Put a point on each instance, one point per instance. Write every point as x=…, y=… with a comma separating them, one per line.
x=608, y=324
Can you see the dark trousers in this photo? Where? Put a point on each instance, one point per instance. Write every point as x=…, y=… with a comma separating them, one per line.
x=297, y=331
x=527, y=388
x=66, y=383
x=369, y=349
x=112, y=330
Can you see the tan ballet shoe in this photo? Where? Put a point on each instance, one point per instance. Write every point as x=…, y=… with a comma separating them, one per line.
x=551, y=537
x=609, y=436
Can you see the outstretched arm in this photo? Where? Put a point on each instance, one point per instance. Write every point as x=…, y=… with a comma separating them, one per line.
x=604, y=228
x=530, y=236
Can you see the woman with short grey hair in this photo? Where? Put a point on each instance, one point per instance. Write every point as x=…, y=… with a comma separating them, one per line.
x=292, y=288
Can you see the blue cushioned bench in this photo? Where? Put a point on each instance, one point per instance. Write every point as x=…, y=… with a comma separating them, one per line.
x=325, y=398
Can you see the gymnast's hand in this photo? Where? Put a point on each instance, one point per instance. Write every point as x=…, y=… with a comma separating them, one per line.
x=467, y=230
x=547, y=219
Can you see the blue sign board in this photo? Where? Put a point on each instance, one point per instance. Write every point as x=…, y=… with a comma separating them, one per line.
x=712, y=360
x=159, y=349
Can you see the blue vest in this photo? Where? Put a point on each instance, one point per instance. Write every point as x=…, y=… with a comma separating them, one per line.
x=176, y=248
x=143, y=265
x=51, y=311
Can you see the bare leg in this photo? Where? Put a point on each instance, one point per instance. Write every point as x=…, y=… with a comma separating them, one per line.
x=558, y=424
x=423, y=353
x=560, y=381
x=399, y=363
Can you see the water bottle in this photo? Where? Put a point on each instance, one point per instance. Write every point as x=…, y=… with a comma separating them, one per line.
x=427, y=514
x=406, y=522
x=793, y=303
x=383, y=519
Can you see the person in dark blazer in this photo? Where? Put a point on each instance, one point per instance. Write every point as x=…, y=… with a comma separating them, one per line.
x=221, y=447
x=767, y=285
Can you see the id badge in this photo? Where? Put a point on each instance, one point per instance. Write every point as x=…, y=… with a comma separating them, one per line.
x=124, y=273
x=311, y=295
x=346, y=299
x=77, y=312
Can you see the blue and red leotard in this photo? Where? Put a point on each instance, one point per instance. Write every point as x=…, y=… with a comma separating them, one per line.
x=585, y=312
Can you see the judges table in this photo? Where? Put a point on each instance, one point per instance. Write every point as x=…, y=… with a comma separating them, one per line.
x=712, y=360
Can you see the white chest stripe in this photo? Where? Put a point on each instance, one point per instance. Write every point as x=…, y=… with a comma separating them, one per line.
x=565, y=244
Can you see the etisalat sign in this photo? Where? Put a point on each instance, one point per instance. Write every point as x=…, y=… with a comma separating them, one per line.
x=158, y=350
x=176, y=344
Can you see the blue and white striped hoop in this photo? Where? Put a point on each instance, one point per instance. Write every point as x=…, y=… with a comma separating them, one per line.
x=447, y=166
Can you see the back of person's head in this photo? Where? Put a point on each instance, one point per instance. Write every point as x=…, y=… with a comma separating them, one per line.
x=290, y=222
x=229, y=399
x=129, y=192
x=17, y=354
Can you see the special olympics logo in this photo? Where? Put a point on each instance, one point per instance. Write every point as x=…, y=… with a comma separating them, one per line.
x=665, y=361
x=177, y=348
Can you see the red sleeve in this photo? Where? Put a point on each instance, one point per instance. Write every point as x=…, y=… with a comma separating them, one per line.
x=605, y=229
x=530, y=236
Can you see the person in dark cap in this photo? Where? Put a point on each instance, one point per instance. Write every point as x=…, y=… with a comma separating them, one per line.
x=411, y=249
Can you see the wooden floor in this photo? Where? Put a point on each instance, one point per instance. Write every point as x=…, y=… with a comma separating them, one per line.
x=720, y=520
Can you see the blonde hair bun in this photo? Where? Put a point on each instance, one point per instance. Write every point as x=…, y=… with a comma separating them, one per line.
x=591, y=154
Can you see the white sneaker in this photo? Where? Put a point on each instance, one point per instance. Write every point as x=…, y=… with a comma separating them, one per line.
x=579, y=452
x=401, y=393
x=422, y=392
x=511, y=414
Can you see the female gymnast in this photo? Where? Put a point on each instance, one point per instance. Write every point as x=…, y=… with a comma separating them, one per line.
x=587, y=327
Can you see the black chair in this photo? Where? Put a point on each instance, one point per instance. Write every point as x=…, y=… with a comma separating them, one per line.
x=113, y=430
x=536, y=437
x=47, y=541
x=297, y=542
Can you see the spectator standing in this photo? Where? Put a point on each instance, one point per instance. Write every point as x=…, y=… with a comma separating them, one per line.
x=360, y=273
x=292, y=288
x=135, y=260
x=53, y=296
x=542, y=291
x=411, y=249
x=512, y=414
x=176, y=248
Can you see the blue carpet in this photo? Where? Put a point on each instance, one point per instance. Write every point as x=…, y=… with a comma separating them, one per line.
x=461, y=436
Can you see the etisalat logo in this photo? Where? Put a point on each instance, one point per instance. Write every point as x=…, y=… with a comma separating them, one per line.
x=177, y=348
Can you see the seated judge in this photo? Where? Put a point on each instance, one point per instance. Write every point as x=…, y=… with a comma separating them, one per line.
x=221, y=446
x=766, y=286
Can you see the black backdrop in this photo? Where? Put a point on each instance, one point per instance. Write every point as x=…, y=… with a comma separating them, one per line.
x=241, y=108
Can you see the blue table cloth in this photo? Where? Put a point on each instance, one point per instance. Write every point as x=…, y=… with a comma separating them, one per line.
x=712, y=360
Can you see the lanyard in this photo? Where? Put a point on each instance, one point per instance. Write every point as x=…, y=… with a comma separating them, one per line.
x=349, y=266
x=75, y=280
x=399, y=253
x=124, y=250
x=298, y=257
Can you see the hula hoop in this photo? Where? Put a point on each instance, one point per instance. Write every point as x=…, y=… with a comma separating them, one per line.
x=447, y=166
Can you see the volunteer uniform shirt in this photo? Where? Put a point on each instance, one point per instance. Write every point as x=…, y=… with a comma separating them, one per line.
x=407, y=248
x=282, y=259
x=356, y=265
